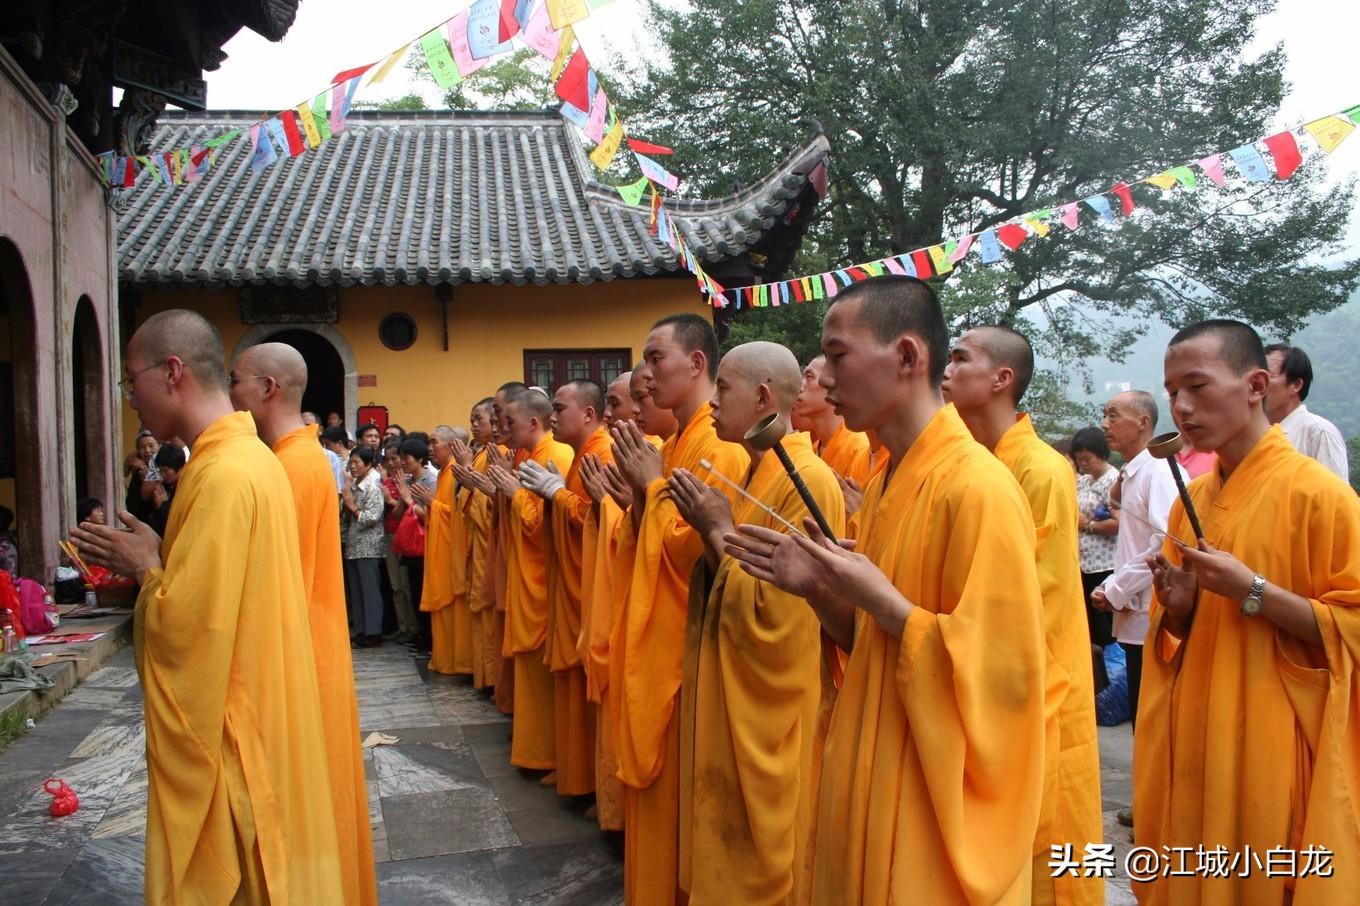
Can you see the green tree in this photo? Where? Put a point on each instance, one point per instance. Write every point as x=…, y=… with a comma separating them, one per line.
x=950, y=116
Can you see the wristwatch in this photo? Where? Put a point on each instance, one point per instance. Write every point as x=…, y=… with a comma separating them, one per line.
x=1251, y=604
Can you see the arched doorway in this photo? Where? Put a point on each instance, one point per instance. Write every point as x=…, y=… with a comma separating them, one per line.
x=332, y=378
x=91, y=434
x=22, y=472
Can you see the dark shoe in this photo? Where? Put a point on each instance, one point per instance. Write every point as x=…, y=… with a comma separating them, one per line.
x=373, y=641
x=1125, y=817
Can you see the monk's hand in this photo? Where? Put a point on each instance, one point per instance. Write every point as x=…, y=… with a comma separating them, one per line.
x=701, y=506
x=853, y=493
x=640, y=462
x=422, y=494
x=504, y=480
x=1177, y=586
x=592, y=477
x=469, y=477
x=462, y=453
x=545, y=482
x=617, y=486
x=127, y=553
x=779, y=559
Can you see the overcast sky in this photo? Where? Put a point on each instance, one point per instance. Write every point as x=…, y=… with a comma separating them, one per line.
x=331, y=35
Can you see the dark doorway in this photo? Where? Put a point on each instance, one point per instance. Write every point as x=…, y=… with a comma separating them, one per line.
x=26, y=472
x=87, y=402
x=325, y=372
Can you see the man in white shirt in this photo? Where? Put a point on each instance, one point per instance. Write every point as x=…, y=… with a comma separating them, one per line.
x=1146, y=491
x=1291, y=374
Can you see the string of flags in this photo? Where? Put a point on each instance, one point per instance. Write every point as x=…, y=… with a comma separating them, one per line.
x=454, y=50
x=1276, y=156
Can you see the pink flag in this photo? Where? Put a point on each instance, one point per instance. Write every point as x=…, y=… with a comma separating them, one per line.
x=961, y=250
x=830, y=283
x=1071, y=216
x=458, y=43
x=894, y=266
x=1213, y=168
x=540, y=35
x=598, y=109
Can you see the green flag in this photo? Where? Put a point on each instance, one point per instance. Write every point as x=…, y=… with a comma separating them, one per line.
x=442, y=67
x=632, y=192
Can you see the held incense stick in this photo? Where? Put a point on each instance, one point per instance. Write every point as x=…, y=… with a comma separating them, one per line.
x=708, y=466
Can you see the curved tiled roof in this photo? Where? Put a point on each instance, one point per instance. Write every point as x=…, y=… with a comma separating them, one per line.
x=428, y=197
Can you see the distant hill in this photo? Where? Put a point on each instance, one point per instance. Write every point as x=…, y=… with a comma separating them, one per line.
x=1332, y=341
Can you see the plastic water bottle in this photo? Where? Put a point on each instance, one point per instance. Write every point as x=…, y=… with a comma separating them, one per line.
x=50, y=608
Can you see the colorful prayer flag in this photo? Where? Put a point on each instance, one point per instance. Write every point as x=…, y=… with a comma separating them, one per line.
x=263, y=153
x=1166, y=180
x=940, y=259
x=276, y=134
x=458, y=43
x=574, y=115
x=540, y=35
x=308, y=123
x=392, y=60
x=921, y=259
x=1284, y=151
x=484, y=27
x=990, y=248
x=319, y=117
x=566, y=12
x=1250, y=163
x=440, y=61
x=595, y=125
x=604, y=152
x=1125, y=194
x=657, y=173
x=639, y=145
x=1101, y=205
x=566, y=40
x=292, y=134
x=347, y=74
x=1329, y=131
x=1213, y=168
x=574, y=85
x=961, y=250
x=894, y=266
x=1185, y=176
x=633, y=191
x=1012, y=235
x=509, y=23
x=1071, y=215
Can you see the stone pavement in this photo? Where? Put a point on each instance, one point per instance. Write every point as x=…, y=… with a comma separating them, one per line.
x=453, y=821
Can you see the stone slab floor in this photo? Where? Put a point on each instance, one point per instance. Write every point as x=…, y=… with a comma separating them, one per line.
x=453, y=821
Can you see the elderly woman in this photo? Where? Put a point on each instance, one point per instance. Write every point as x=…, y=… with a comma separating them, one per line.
x=363, y=553
x=1097, y=521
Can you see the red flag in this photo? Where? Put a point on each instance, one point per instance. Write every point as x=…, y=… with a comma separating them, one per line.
x=574, y=85
x=1125, y=197
x=797, y=290
x=509, y=24
x=349, y=74
x=750, y=297
x=1013, y=235
x=857, y=273
x=129, y=172
x=1285, y=152
x=642, y=147
x=296, y=145
x=922, y=261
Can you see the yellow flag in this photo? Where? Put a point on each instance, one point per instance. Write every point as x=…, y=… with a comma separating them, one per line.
x=604, y=152
x=387, y=65
x=304, y=115
x=941, y=259
x=1330, y=131
x=562, y=13
x=1165, y=180
x=564, y=44
x=1039, y=227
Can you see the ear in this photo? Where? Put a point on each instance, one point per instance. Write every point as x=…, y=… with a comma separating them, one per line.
x=764, y=397
x=1003, y=378
x=698, y=362
x=1258, y=382
x=910, y=356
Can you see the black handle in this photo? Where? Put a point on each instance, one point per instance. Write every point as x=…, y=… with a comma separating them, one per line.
x=803, y=492
x=1185, y=498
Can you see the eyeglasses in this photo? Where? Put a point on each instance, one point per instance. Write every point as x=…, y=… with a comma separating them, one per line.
x=126, y=383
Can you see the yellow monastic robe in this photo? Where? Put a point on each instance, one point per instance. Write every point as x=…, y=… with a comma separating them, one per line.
x=608, y=557
x=750, y=699
x=436, y=596
x=1250, y=739
x=526, y=616
x=1071, y=810
x=847, y=453
x=460, y=611
x=317, y=508
x=499, y=579
x=646, y=663
x=575, y=717
x=238, y=796
x=933, y=771
x=868, y=462
x=477, y=516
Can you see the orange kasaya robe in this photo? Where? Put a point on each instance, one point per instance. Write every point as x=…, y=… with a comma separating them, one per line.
x=318, y=518
x=934, y=764
x=534, y=743
x=847, y=453
x=575, y=717
x=460, y=611
x=477, y=516
x=1071, y=809
x=607, y=553
x=239, y=803
x=1250, y=738
x=646, y=663
x=751, y=694
x=436, y=596
x=498, y=582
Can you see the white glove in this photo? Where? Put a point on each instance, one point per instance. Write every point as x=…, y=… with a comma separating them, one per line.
x=543, y=482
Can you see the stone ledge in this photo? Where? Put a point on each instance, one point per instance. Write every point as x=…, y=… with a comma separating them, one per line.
x=68, y=674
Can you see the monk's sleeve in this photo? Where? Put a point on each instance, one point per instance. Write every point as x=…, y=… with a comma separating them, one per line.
x=573, y=505
x=527, y=509
x=188, y=615
x=971, y=681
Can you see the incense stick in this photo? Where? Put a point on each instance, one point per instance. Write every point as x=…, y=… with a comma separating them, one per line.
x=76, y=560
x=705, y=464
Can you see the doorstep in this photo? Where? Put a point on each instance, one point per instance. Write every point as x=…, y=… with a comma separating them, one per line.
x=67, y=674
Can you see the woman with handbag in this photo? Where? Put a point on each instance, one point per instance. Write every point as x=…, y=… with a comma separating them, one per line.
x=410, y=538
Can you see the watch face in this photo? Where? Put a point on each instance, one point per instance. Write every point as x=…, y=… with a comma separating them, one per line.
x=1251, y=606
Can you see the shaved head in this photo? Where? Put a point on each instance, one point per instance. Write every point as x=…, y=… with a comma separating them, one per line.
x=1007, y=348
x=1240, y=346
x=762, y=362
x=447, y=434
x=533, y=402
x=187, y=336
x=588, y=393
x=279, y=361
x=1141, y=402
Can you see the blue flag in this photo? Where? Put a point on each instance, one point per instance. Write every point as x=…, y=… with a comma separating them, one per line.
x=484, y=30
x=1101, y=205
x=989, y=248
x=1250, y=162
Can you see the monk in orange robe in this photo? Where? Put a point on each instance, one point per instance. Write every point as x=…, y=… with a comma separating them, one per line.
x=526, y=533
x=646, y=656
x=267, y=381
x=845, y=451
x=1250, y=743
x=578, y=406
x=444, y=575
x=469, y=463
x=932, y=776
x=239, y=805
x=752, y=686
x=504, y=454
x=987, y=375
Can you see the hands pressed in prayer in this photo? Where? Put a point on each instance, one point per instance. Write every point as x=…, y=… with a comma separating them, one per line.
x=592, y=477
x=422, y=494
x=703, y=507
x=504, y=480
x=495, y=457
x=639, y=462
x=617, y=486
x=469, y=477
x=853, y=493
x=462, y=453
x=127, y=553
x=545, y=482
x=404, y=488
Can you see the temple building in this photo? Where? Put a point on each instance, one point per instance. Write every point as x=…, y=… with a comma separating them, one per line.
x=420, y=259
x=61, y=422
